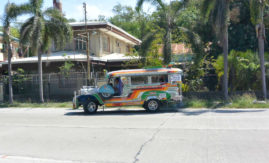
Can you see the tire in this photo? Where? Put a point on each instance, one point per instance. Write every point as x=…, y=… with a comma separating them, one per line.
x=152, y=105
x=105, y=96
x=90, y=107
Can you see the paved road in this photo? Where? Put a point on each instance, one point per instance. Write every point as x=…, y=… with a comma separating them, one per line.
x=184, y=136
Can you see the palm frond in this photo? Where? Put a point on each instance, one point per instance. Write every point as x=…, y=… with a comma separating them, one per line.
x=53, y=13
x=16, y=10
x=59, y=31
x=26, y=31
x=176, y=8
x=207, y=7
x=195, y=42
x=36, y=5
x=139, y=4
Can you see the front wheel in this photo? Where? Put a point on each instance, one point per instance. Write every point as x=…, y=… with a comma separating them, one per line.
x=90, y=107
x=152, y=105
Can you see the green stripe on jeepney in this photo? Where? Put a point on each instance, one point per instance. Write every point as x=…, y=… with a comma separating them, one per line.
x=155, y=93
x=98, y=98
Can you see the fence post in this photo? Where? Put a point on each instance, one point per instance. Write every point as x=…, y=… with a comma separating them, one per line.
x=49, y=88
x=1, y=92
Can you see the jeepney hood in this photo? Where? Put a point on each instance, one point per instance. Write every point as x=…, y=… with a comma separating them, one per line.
x=88, y=90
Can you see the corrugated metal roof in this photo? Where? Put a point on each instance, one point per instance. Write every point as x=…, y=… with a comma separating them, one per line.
x=72, y=56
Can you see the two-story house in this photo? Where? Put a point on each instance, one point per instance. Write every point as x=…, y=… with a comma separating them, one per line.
x=108, y=46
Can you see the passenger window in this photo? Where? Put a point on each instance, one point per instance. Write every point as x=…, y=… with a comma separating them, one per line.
x=139, y=80
x=159, y=79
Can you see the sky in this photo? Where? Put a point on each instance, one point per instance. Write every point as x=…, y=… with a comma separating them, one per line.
x=74, y=8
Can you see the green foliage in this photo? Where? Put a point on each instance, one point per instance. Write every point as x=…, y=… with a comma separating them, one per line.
x=127, y=18
x=13, y=31
x=242, y=34
x=185, y=87
x=18, y=80
x=66, y=67
x=243, y=70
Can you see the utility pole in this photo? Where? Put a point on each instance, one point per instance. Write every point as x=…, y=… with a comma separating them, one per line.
x=87, y=46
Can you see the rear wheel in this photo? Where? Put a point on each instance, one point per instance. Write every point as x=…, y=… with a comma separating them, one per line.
x=152, y=105
x=90, y=107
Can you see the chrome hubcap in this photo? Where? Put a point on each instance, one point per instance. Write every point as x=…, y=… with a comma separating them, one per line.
x=91, y=107
x=153, y=105
x=106, y=94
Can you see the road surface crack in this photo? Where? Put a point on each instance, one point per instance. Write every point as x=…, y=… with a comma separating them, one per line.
x=150, y=139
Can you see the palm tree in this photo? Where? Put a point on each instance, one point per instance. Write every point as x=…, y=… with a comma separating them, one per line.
x=218, y=12
x=167, y=14
x=8, y=50
x=40, y=29
x=257, y=18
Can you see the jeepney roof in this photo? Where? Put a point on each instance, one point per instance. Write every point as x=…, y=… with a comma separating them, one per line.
x=138, y=72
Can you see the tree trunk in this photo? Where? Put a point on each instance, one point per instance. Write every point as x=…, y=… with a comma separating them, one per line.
x=225, y=56
x=261, y=54
x=167, y=47
x=40, y=76
x=9, y=53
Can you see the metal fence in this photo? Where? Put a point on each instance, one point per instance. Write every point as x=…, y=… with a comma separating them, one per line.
x=61, y=87
x=56, y=86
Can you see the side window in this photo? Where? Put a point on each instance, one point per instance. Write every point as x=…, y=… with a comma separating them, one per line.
x=159, y=79
x=139, y=80
x=106, y=43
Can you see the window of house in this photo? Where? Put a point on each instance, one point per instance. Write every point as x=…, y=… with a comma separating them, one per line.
x=118, y=49
x=81, y=43
x=128, y=49
x=106, y=46
x=139, y=80
x=84, y=44
x=159, y=79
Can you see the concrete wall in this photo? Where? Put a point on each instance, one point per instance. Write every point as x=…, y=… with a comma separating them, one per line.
x=97, y=44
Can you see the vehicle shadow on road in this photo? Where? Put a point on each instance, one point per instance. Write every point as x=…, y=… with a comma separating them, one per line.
x=119, y=112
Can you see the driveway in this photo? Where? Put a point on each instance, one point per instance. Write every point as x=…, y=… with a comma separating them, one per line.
x=177, y=136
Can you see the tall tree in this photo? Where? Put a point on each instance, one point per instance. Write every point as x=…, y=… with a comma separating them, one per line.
x=40, y=29
x=257, y=18
x=8, y=50
x=166, y=17
x=218, y=11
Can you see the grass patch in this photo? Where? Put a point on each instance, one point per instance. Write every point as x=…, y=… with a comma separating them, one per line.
x=200, y=103
x=244, y=101
x=37, y=105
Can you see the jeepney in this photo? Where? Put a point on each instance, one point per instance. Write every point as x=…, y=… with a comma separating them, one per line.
x=149, y=88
